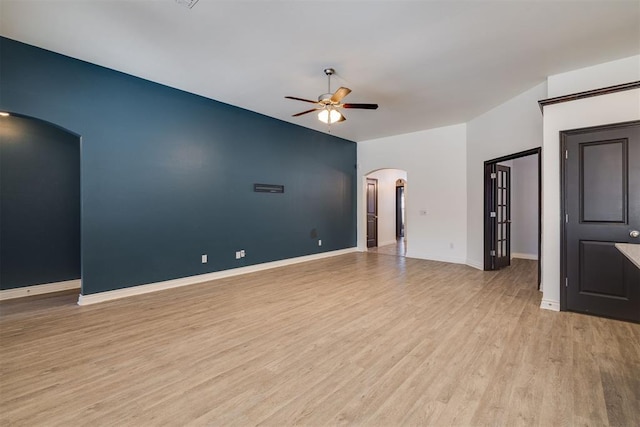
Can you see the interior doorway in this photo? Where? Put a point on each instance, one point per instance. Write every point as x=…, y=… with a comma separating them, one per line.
x=385, y=203
x=39, y=207
x=512, y=209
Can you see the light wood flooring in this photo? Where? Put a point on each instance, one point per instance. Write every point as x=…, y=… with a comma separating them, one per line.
x=397, y=249
x=362, y=339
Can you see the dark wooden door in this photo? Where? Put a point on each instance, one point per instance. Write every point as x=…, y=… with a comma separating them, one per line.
x=602, y=206
x=497, y=216
x=503, y=216
x=399, y=212
x=372, y=213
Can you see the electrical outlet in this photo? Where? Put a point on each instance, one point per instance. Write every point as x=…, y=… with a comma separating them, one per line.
x=319, y=242
x=451, y=245
x=204, y=258
x=238, y=255
x=242, y=254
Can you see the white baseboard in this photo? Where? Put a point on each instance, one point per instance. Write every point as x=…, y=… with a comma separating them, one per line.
x=191, y=280
x=475, y=264
x=524, y=256
x=45, y=288
x=550, y=305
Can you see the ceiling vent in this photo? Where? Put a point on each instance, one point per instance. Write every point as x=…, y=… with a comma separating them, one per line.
x=187, y=3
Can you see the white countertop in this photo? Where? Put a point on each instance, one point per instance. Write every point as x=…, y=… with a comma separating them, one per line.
x=631, y=251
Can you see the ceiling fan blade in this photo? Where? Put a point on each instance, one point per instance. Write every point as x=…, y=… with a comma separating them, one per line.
x=301, y=99
x=362, y=106
x=305, y=112
x=340, y=93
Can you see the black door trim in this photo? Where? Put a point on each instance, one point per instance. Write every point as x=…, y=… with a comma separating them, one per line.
x=488, y=167
x=563, y=203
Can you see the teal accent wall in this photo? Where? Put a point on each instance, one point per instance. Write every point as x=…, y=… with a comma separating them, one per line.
x=167, y=176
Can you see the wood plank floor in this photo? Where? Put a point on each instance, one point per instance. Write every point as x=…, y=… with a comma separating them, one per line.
x=363, y=338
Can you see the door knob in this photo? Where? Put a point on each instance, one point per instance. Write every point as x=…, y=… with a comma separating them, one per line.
x=634, y=233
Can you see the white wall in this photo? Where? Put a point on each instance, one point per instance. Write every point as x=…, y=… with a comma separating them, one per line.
x=524, y=208
x=436, y=173
x=387, y=203
x=595, y=77
x=509, y=128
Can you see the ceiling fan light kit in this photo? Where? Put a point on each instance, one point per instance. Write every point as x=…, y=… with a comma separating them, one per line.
x=329, y=103
x=330, y=115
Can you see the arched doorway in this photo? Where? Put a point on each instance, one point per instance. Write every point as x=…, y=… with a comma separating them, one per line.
x=39, y=207
x=384, y=200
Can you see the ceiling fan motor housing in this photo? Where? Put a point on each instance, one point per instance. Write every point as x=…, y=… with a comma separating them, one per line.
x=325, y=98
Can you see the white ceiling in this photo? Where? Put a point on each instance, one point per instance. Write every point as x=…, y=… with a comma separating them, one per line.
x=427, y=63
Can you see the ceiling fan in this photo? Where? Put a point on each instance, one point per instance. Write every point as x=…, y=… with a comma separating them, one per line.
x=328, y=103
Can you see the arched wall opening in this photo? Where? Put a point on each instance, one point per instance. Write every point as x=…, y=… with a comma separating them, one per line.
x=386, y=179
x=40, y=209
